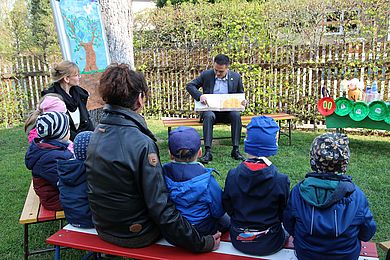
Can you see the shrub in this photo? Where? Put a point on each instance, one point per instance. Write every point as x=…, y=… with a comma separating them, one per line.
x=12, y=105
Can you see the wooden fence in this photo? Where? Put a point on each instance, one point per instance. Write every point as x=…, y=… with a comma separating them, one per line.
x=21, y=81
x=276, y=79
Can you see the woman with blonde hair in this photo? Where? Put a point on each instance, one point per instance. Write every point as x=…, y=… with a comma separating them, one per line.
x=66, y=80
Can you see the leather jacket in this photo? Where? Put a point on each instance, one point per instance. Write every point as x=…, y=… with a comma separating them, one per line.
x=128, y=196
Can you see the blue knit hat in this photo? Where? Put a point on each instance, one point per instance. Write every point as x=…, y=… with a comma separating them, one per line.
x=52, y=125
x=81, y=142
x=261, y=137
x=182, y=138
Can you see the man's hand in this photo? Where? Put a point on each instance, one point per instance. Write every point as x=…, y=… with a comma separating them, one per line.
x=217, y=240
x=203, y=99
x=244, y=103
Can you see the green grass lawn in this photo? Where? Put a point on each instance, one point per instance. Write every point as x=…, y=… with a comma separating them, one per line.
x=369, y=167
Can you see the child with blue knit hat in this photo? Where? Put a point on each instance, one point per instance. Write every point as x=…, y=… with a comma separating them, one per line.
x=256, y=194
x=42, y=155
x=73, y=184
x=192, y=187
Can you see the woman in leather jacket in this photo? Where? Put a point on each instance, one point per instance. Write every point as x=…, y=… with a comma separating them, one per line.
x=128, y=196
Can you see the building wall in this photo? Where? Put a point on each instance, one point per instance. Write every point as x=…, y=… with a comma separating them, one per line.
x=140, y=5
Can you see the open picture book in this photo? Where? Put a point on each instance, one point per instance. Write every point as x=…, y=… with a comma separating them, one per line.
x=222, y=102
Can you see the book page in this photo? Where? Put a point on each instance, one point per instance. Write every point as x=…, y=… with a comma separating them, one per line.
x=222, y=102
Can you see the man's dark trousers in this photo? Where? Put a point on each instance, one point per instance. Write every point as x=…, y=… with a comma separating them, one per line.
x=209, y=118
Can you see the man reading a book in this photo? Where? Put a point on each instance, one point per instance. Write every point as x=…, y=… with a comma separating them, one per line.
x=219, y=80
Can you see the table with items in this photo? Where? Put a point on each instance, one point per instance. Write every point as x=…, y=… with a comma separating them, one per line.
x=361, y=108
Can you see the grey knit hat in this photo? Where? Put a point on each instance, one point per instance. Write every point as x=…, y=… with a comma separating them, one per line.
x=52, y=125
x=330, y=153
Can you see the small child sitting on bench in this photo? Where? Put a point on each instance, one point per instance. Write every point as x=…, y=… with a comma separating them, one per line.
x=256, y=194
x=51, y=102
x=73, y=184
x=192, y=187
x=42, y=155
x=327, y=214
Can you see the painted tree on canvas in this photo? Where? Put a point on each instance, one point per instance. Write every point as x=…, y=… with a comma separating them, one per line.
x=84, y=31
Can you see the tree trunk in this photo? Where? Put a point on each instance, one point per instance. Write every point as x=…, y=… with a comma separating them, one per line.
x=118, y=22
x=117, y=17
x=90, y=56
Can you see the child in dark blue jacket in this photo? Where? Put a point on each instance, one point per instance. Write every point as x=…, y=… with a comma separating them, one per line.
x=42, y=155
x=256, y=194
x=192, y=187
x=73, y=184
x=327, y=214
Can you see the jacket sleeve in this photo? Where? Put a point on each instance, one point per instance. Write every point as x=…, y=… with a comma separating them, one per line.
x=49, y=169
x=240, y=88
x=368, y=227
x=289, y=216
x=175, y=228
x=194, y=85
x=216, y=199
x=226, y=200
x=284, y=197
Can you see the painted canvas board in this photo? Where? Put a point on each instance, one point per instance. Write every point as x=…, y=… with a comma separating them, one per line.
x=81, y=34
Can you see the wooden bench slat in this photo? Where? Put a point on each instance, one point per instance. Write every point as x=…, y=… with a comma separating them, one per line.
x=91, y=242
x=171, y=121
x=60, y=214
x=385, y=245
x=31, y=207
x=33, y=213
x=46, y=215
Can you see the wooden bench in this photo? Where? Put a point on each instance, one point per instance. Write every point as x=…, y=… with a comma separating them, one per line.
x=87, y=239
x=34, y=213
x=170, y=122
x=386, y=247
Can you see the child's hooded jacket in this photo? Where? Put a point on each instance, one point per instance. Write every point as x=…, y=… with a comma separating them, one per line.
x=41, y=158
x=328, y=215
x=73, y=193
x=194, y=190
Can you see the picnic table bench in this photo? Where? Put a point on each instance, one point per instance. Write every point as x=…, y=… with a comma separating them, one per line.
x=170, y=122
x=88, y=240
x=33, y=212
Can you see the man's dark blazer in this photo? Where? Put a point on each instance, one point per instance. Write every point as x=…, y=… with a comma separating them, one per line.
x=206, y=81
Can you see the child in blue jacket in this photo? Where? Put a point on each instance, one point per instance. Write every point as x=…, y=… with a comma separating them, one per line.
x=256, y=194
x=192, y=187
x=73, y=184
x=327, y=214
x=42, y=155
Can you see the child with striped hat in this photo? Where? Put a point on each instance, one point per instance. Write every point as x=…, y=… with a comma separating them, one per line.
x=42, y=155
